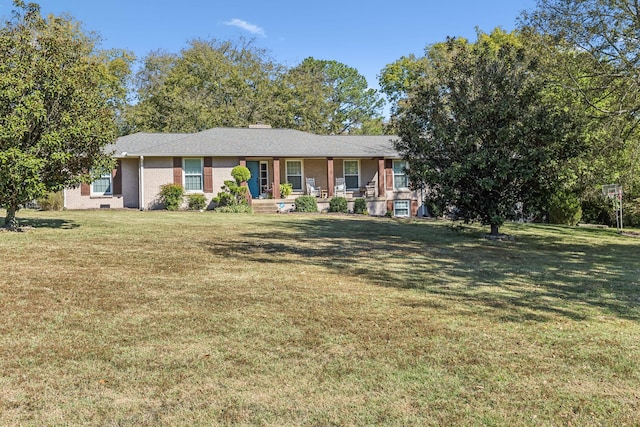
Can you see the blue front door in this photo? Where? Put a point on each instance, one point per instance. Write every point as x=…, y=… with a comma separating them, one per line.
x=254, y=181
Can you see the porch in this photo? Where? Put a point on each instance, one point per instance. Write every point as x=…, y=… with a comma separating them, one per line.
x=372, y=177
x=376, y=206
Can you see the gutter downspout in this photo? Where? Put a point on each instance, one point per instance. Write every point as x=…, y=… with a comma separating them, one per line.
x=141, y=183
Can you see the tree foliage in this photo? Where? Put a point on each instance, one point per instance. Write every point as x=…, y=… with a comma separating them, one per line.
x=58, y=97
x=601, y=64
x=215, y=83
x=328, y=97
x=209, y=84
x=477, y=130
x=608, y=31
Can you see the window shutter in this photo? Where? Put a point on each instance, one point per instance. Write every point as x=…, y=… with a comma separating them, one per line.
x=116, y=177
x=388, y=166
x=208, y=175
x=177, y=170
x=85, y=189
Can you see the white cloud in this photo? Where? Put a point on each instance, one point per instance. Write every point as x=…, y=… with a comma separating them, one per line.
x=253, y=29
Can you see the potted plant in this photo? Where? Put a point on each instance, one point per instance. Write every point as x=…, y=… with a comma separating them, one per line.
x=285, y=190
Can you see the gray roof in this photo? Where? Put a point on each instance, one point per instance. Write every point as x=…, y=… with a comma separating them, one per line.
x=247, y=142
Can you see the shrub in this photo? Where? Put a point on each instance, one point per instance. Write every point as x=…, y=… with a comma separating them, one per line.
x=565, y=208
x=242, y=208
x=360, y=207
x=171, y=196
x=196, y=202
x=52, y=201
x=338, y=204
x=598, y=210
x=285, y=190
x=233, y=192
x=306, y=204
x=631, y=213
x=435, y=208
x=240, y=174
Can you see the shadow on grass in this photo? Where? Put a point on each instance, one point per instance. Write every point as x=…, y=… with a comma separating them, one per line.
x=535, y=278
x=47, y=223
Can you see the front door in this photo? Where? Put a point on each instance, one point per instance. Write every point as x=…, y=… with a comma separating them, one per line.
x=254, y=181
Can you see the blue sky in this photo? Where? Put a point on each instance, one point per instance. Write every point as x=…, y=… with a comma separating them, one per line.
x=365, y=35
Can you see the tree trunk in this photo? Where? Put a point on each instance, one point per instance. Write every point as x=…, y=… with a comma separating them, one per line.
x=494, y=229
x=10, y=222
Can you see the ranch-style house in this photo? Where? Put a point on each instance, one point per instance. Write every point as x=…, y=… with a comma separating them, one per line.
x=344, y=165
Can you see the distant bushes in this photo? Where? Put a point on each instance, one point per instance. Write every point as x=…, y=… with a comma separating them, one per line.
x=52, y=201
x=565, y=208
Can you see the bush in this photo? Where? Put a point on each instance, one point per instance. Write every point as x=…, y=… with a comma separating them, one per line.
x=360, y=207
x=435, y=208
x=306, y=204
x=234, y=209
x=338, y=204
x=171, y=196
x=240, y=174
x=224, y=199
x=631, y=213
x=196, y=202
x=233, y=192
x=565, y=208
x=598, y=210
x=51, y=201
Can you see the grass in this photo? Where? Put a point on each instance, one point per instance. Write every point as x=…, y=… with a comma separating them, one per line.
x=155, y=318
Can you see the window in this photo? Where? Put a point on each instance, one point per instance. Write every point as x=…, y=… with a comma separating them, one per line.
x=399, y=176
x=351, y=174
x=102, y=185
x=192, y=175
x=294, y=174
x=401, y=208
x=264, y=177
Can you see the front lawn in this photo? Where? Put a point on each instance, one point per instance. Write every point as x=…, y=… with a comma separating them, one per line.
x=185, y=318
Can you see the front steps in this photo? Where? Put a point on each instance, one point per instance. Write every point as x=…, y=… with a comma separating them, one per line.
x=264, y=206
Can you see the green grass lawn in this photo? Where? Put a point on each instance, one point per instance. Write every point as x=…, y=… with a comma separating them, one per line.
x=157, y=318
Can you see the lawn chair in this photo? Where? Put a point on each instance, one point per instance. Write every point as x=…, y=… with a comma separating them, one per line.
x=340, y=189
x=312, y=190
x=370, y=189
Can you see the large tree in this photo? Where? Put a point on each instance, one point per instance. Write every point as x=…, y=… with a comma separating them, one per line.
x=601, y=64
x=329, y=97
x=57, y=101
x=478, y=130
x=234, y=83
x=210, y=83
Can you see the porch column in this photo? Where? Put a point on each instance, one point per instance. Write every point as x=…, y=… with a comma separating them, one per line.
x=275, y=185
x=330, y=178
x=381, y=178
x=141, y=205
x=243, y=162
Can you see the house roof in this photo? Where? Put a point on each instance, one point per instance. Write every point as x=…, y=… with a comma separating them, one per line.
x=250, y=142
